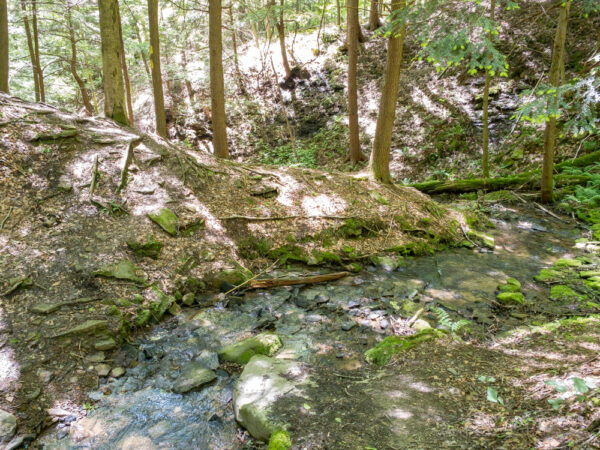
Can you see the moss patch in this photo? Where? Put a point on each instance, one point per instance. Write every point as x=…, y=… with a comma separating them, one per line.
x=150, y=247
x=508, y=298
x=280, y=440
x=383, y=352
x=166, y=219
x=240, y=353
x=562, y=292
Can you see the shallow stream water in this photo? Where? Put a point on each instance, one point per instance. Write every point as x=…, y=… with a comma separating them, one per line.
x=329, y=325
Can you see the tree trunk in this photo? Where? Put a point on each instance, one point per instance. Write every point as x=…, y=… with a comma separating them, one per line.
x=188, y=84
x=281, y=32
x=338, y=9
x=73, y=65
x=157, y=84
x=238, y=73
x=3, y=47
x=140, y=40
x=36, y=43
x=114, y=93
x=217, y=85
x=125, y=71
x=558, y=59
x=486, y=102
x=380, y=156
x=31, y=50
x=374, y=22
x=352, y=13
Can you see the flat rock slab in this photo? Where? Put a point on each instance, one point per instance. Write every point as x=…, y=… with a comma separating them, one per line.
x=166, y=219
x=123, y=270
x=193, y=376
x=8, y=426
x=264, y=381
x=89, y=326
x=262, y=344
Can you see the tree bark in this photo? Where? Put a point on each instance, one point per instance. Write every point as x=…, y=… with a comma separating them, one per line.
x=486, y=102
x=125, y=71
x=352, y=16
x=281, y=31
x=73, y=65
x=374, y=22
x=114, y=92
x=157, y=84
x=217, y=84
x=380, y=155
x=238, y=73
x=3, y=47
x=338, y=9
x=31, y=50
x=36, y=43
x=558, y=58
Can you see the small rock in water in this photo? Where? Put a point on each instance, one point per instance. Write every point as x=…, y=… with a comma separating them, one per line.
x=193, y=375
x=347, y=326
x=105, y=344
x=339, y=355
x=102, y=370
x=95, y=357
x=188, y=299
x=117, y=372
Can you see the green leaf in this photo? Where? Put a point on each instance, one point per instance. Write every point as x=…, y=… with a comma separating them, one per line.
x=306, y=406
x=557, y=386
x=338, y=420
x=580, y=385
x=555, y=402
x=492, y=396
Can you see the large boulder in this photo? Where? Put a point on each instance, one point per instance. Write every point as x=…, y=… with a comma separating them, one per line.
x=264, y=381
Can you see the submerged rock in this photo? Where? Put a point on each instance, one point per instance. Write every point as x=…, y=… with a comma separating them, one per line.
x=193, y=375
x=262, y=344
x=264, y=381
x=166, y=219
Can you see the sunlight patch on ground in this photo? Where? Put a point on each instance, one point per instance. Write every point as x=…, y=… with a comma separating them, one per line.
x=323, y=205
x=419, y=97
x=9, y=369
x=400, y=414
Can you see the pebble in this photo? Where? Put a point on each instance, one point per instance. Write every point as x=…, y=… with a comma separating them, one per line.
x=347, y=326
x=102, y=370
x=384, y=323
x=339, y=355
x=117, y=372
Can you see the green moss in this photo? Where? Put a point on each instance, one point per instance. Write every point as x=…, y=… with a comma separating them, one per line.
x=413, y=249
x=548, y=276
x=512, y=285
x=499, y=197
x=379, y=198
x=288, y=253
x=142, y=318
x=482, y=239
x=562, y=292
x=123, y=270
x=160, y=306
x=318, y=257
x=383, y=352
x=253, y=247
x=589, y=273
x=191, y=228
x=150, y=248
x=593, y=284
x=280, y=440
x=262, y=344
x=507, y=298
x=353, y=267
x=166, y=219
x=234, y=277
x=354, y=228
x=562, y=263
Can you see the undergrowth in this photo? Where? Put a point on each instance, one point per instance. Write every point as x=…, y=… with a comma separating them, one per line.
x=585, y=200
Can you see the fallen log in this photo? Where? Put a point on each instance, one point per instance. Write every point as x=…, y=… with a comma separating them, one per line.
x=525, y=180
x=276, y=282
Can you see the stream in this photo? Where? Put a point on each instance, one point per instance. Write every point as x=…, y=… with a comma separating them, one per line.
x=328, y=326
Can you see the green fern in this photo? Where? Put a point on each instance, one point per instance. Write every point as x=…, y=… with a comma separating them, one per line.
x=445, y=320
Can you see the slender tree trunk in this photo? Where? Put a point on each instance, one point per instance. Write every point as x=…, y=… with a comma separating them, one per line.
x=114, y=92
x=380, y=156
x=217, y=84
x=238, y=73
x=374, y=22
x=281, y=32
x=73, y=65
x=140, y=40
x=36, y=82
x=36, y=43
x=352, y=11
x=188, y=84
x=558, y=60
x=157, y=84
x=3, y=47
x=486, y=101
x=125, y=71
x=338, y=9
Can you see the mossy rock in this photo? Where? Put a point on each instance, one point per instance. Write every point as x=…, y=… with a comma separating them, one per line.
x=593, y=284
x=499, y=197
x=589, y=273
x=142, y=318
x=192, y=285
x=234, y=277
x=383, y=352
x=166, y=219
x=287, y=253
x=266, y=344
x=160, y=306
x=564, y=293
x=548, y=276
x=482, y=239
x=150, y=247
x=280, y=440
x=319, y=257
x=511, y=285
x=123, y=270
x=567, y=263
x=510, y=298
x=388, y=263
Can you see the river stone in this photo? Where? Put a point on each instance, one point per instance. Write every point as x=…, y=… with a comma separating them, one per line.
x=421, y=324
x=117, y=372
x=508, y=298
x=45, y=308
x=166, y=219
x=263, y=381
x=188, y=299
x=105, y=344
x=262, y=344
x=387, y=263
x=193, y=375
x=86, y=327
x=123, y=270
x=8, y=426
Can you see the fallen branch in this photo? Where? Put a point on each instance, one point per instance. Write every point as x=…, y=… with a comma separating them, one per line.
x=94, y=178
x=276, y=282
x=549, y=212
x=10, y=210
x=128, y=157
x=258, y=219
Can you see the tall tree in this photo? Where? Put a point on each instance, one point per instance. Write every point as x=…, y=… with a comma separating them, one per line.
x=31, y=48
x=281, y=31
x=352, y=16
x=380, y=156
x=3, y=46
x=125, y=70
x=486, y=100
x=374, y=22
x=157, y=84
x=73, y=63
x=217, y=84
x=36, y=44
x=114, y=92
x=554, y=79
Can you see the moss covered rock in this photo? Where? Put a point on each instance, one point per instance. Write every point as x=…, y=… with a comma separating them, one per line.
x=548, y=276
x=562, y=263
x=166, y=219
x=392, y=345
x=266, y=344
x=510, y=298
x=280, y=440
x=234, y=277
x=511, y=285
x=123, y=270
x=562, y=292
x=146, y=247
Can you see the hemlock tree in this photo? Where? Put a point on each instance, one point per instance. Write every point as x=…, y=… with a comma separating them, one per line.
x=380, y=155
x=217, y=84
x=114, y=93
x=554, y=79
x=157, y=85
x=374, y=22
x=3, y=47
x=352, y=16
